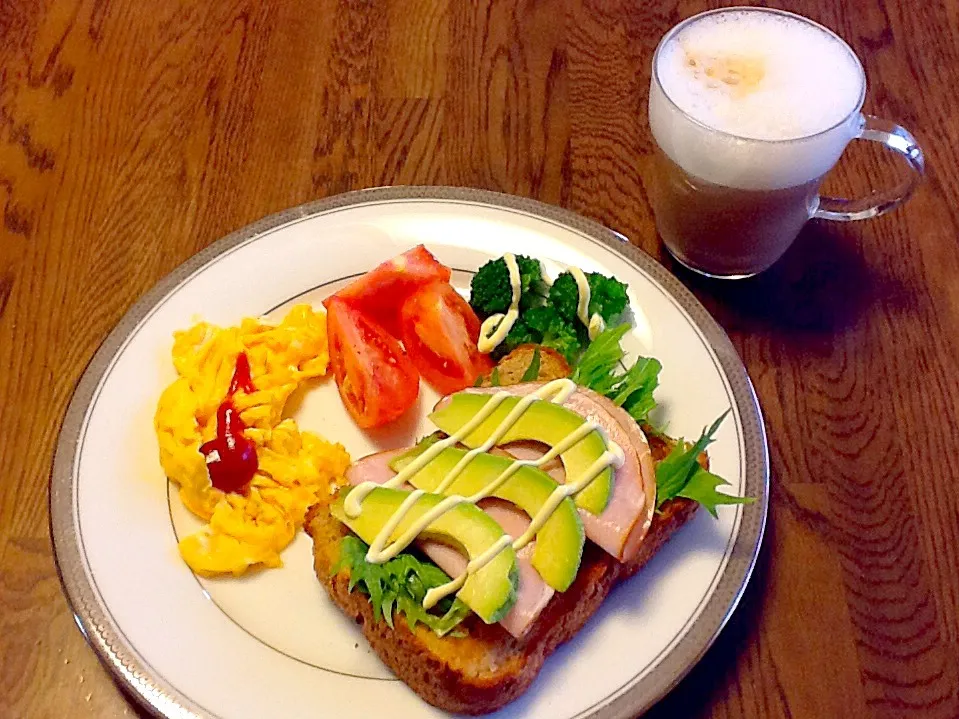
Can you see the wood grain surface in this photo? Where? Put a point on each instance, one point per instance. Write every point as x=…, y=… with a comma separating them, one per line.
x=134, y=134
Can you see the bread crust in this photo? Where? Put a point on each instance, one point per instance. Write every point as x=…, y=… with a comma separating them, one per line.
x=487, y=668
x=513, y=366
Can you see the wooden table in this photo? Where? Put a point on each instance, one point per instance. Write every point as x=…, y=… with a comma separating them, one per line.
x=134, y=134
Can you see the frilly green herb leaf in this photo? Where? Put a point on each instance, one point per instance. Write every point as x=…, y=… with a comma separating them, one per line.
x=681, y=475
x=702, y=486
x=599, y=370
x=597, y=367
x=634, y=392
x=400, y=584
x=674, y=472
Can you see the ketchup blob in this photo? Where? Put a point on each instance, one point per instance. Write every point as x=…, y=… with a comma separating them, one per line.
x=241, y=376
x=231, y=457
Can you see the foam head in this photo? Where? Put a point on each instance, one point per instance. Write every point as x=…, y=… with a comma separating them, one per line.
x=754, y=98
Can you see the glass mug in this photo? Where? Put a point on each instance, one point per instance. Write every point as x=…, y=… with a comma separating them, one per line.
x=728, y=205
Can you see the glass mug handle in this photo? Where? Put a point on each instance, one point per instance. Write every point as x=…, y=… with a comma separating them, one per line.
x=895, y=138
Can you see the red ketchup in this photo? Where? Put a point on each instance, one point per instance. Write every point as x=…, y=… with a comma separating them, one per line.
x=231, y=457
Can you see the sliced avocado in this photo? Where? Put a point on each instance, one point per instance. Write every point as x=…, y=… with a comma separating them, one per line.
x=559, y=542
x=543, y=421
x=491, y=591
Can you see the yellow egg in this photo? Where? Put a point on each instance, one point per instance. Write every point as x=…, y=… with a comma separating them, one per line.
x=178, y=434
x=210, y=553
x=295, y=469
x=253, y=520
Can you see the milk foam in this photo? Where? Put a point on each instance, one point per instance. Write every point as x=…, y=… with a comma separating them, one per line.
x=755, y=75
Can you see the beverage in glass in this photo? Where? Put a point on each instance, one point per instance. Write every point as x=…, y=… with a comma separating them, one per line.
x=750, y=109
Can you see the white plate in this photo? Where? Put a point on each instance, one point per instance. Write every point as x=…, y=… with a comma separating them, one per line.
x=272, y=644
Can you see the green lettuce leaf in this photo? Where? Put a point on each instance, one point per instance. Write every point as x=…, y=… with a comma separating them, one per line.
x=701, y=488
x=599, y=370
x=597, y=367
x=634, y=392
x=681, y=475
x=400, y=584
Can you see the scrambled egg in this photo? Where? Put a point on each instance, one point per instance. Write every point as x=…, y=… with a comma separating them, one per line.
x=296, y=469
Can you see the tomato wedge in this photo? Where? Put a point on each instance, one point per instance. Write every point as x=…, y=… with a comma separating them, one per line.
x=439, y=329
x=375, y=377
x=380, y=292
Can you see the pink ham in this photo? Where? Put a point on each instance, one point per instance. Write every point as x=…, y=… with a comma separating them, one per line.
x=621, y=527
x=647, y=472
x=533, y=595
x=374, y=468
x=528, y=449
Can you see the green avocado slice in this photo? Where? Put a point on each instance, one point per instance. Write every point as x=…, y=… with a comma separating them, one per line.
x=543, y=421
x=490, y=592
x=559, y=542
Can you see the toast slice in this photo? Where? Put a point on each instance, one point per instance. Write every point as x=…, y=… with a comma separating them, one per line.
x=510, y=369
x=488, y=668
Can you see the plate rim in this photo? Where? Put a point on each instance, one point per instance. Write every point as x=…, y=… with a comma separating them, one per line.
x=161, y=699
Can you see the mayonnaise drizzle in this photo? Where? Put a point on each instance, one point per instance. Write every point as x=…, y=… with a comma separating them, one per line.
x=495, y=328
x=582, y=284
x=547, y=280
x=436, y=594
x=557, y=391
x=595, y=324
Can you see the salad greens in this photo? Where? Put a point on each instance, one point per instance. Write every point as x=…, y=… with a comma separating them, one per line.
x=599, y=369
x=400, y=584
x=548, y=317
x=681, y=475
x=547, y=313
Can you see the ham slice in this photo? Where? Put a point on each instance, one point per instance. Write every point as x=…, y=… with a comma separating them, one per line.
x=533, y=595
x=527, y=449
x=622, y=525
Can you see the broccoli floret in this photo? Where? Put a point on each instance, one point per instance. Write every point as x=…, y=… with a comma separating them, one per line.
x=564, y=296
x=540, y=318
x=519, y=334
x=565, y=340
x=543, y=326
x=535, y=290
x=607, y=296
x=555, y=331
x=490, y=290
x=547, y=314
